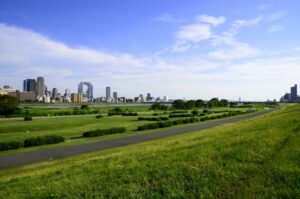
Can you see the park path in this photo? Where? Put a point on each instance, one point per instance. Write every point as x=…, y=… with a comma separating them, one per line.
x=20, y=159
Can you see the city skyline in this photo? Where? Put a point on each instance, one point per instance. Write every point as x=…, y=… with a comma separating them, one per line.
x=198, y=51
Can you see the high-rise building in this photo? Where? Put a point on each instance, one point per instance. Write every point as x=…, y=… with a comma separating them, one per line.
x=29, y=85
x=115, y=96
x=40, y=88
x=54, y=92
x=89, y=92
x=67, y=92
x=294, y=94
x=107, y=92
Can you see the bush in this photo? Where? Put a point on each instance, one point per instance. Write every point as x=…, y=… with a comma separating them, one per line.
x=99, y=116
x=130, y=114
x=148, y=126
x=181, y=115
x=100, y=132
x=175, y=112
x=27, y=118
x=149, y=118
x=163, y=118
x=195, y=112
x=84, y=107
x=165, y=124
x=43, y=140
x=10, y=145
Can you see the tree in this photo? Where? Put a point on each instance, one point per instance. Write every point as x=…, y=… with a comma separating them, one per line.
x=8, y=105
x=200, y=103
x=179, y=104
x=214, y=102
x=190, y=104
x=224, y=103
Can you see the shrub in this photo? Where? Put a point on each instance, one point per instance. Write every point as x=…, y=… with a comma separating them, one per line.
x=149, y=118
x=84, y=107
x=99, y=116
x=165, y=124
x=175, y=112
x=130, y=114
x=195, y=112
x=10, y=145
x=100, y=132
x=163, y=118
x=43, y=140
x=148, y=126
x=181, y=115
x=27, y=118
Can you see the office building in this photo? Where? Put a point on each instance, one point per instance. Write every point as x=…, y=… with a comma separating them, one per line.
x=40, y=88
x=89, y=92
x=107, y=93
x=29, y=85
x=77, y=97
x=115, y=96
x=294, y=94
x=54, y=93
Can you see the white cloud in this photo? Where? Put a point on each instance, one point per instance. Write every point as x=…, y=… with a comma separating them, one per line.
x=275, y=16
x=233, y=49
x=214, y=21
x=276, y=29
x=169, y=18
x=194, y=32
x=26, y=54
x=249, y=22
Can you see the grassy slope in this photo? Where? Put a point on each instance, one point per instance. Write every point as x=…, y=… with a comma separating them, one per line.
x=250, y=159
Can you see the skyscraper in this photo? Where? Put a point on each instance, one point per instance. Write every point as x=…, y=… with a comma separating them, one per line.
x=29, y=85
x=115, y=96
x=54, y=92
x=40, y=88
x=294, y=93
x=107, y=92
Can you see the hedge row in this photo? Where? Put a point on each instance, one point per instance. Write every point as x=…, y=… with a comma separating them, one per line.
x=43, y=140
x=112, y=113
x=100, y=132
x=130, y=114
x=166, y=124
x=175, y=112
x=153, y=118
x=186, y=121
x=181, y=115
x=33, y=141
x=10, y=145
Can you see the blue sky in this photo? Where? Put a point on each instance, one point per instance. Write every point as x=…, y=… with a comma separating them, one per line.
x=192, y=49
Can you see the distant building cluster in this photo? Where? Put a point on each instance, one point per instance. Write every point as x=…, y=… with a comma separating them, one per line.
x=291, y=97
x=36, y=90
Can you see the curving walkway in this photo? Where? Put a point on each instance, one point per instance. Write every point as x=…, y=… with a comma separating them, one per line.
x=20, y=159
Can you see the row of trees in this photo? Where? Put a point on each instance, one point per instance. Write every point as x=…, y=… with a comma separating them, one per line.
x=191, y=104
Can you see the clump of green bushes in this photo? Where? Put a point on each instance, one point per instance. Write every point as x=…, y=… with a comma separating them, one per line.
x=175, y=112
x=153, y=118
x=10, y=145
x=99, y=116
x=115, y=111
x=27, y=118
x=130, y=114
x=100, y=132
x=43, y=140
x=32, y=141
x=166, y=124
x=181, y=115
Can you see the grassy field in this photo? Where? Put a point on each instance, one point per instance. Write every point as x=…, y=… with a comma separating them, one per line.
x=258, y=158
x=71, y=126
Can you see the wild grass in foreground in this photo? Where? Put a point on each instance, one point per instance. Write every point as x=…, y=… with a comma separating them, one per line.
x=258, y=158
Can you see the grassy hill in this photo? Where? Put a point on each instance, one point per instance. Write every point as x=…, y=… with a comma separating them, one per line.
x=258, y=158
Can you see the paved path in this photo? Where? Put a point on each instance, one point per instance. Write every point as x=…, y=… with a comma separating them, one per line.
x=64, y=151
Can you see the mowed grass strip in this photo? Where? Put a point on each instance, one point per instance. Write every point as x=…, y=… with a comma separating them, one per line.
x=258, y=158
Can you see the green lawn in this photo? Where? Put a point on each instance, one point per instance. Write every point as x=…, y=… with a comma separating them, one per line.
x=70, y=126
x=258, y=158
